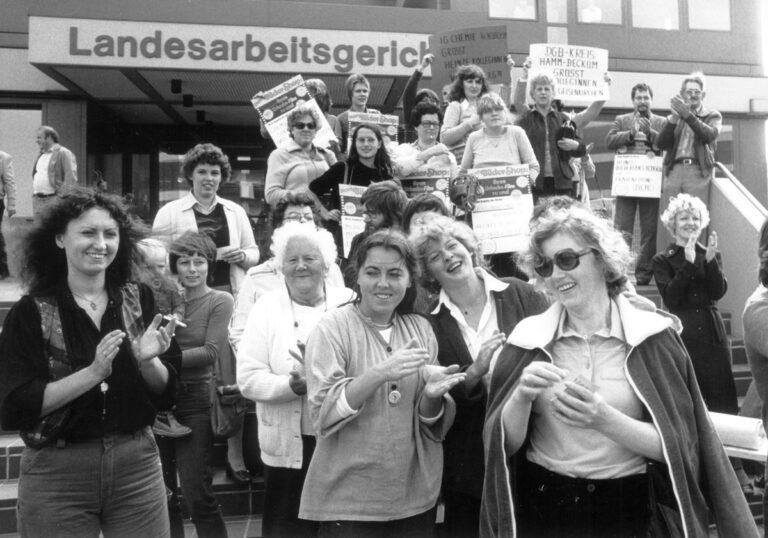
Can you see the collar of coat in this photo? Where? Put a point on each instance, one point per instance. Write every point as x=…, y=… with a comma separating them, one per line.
x=538, y=331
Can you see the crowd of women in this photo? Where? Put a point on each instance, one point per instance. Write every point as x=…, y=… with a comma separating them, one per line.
x=405, y=375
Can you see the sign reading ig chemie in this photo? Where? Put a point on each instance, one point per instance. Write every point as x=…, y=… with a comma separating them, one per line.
x=89, y=42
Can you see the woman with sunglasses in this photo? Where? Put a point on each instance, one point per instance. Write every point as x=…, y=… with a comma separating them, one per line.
x=461, y=117
x=474, y=314
x=292, y=168
x=594, y=409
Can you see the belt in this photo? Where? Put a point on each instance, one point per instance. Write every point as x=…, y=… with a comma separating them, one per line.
x=686, y=161
x=41, y=195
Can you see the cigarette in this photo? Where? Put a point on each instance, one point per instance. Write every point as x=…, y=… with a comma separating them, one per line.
x=179, y=323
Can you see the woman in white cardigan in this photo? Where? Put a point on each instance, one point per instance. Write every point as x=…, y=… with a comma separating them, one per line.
x=270, y=368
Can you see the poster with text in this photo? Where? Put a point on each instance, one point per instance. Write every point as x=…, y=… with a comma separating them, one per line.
x=352, y=222
x=638, y=176
x=274, y=105
x=579, y=72
x=486, y=47
x=431, y=181
x=504, y=207
x=386, y=123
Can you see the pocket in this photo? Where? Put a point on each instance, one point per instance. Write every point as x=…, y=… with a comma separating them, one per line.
x=30, y=458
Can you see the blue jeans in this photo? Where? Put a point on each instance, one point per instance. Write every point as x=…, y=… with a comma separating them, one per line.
x=193, y=458
x=624, y=219
x=113, y=484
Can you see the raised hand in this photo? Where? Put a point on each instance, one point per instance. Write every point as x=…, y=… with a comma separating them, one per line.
x=690, y=249
x=711, y=247
x=679, y=106
x=487, y=349
x=405, y=361
x=440, y=379
x=106, y=350
x=155, y=339
x=426, y=61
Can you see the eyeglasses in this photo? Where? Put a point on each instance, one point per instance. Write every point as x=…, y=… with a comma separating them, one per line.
x=566, y=259
x=430, y=124
x=295, y=217
x=300, y=126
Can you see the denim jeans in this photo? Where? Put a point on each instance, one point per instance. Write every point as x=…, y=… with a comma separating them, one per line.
x=112, y=484
x=624, y=219
x=193, y=457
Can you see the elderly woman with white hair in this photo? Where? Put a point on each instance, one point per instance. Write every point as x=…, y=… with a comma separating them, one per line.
x=270, y=368
x=291, y=167
x=595, y=425
x=691, y=281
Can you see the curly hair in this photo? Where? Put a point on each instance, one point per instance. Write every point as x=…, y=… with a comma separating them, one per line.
x=389, y=240
x=591, y=231
x=381, y=161
x=299, y=112
x=425, y=108
x=205, y=154
x=542, y=79
x=299, y=198
x=191, y=244
x=467, y=72
x=44, y=263
x=437, y=231
x=320, y=238
x=684, y=203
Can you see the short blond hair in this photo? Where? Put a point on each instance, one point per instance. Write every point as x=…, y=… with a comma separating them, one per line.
x=680, y=203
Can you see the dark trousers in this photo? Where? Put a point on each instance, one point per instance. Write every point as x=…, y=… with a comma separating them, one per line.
x=548, y=189
x=282, y=497
x=624, y=219
x=192, y=456
x=419, y=526
x=3, y=255
x=550, y=505
x=462, y=514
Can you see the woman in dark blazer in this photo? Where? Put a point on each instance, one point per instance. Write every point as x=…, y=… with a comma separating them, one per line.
x=474, y=314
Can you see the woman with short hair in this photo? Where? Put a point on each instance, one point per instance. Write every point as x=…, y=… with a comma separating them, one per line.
x=594, y=408
x=358, y=90
x=293, y=167
x=270, y=368
x=426, y=152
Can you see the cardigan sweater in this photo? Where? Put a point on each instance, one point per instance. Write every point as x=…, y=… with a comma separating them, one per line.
x=696, y=476
x=383, y=462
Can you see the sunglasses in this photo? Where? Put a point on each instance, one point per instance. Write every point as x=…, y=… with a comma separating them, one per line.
x=300, y=126
x=566, y=259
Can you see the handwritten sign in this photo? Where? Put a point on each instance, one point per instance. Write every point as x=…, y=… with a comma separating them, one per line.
x=352, y=222
x=486, y=47
x=500, y=218
x=274, y=105
x=637, y=175
x=579, y=72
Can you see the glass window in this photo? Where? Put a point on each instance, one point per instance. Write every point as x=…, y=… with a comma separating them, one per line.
x=512, y=9
x=660, y=14
x=709, y=15
x=557, y=11
x=599, y=11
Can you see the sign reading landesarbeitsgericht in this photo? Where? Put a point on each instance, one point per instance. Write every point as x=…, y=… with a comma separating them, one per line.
x=89, y=42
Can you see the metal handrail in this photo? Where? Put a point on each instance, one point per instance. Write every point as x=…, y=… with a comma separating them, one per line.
x=744, y=191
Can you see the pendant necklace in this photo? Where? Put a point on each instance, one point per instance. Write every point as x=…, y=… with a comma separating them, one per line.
x=92, y=303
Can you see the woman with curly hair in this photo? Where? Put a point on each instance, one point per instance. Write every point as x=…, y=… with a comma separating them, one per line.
x=205, y=167
x=593, y=409
x=461, y=117
x=83, y=374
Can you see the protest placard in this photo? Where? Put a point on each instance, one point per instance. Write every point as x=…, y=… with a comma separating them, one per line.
x=430, y=180
x=486, y=47
x=386, y=123
x=352, y=222
x=503, y=208
x=637, y=175
x=579, y=72
x=274, y=105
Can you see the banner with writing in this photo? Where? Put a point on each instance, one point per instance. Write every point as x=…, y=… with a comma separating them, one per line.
x=352, y=222
x=579, y=72
x=504, y=207
x=274, y=105
x=429, y=180
x=637, y=175
x=386, y=123
x=486, y=47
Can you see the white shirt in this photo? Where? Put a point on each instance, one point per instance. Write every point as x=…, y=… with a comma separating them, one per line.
x=40, y=182
x=488, y=324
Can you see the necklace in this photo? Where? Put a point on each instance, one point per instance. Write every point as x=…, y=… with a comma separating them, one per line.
x=91, y=302
x=293, y=310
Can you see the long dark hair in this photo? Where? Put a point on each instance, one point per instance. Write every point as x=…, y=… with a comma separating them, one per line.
x=390, y=240
x=381, y=162
x=44, y=263
x=463, y=73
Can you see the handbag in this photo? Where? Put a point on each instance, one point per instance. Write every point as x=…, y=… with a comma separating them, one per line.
x=228, y=405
